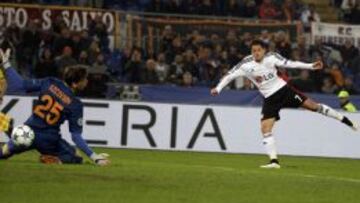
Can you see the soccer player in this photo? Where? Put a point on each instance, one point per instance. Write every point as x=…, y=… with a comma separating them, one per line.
x=5, y=120
x=261, y=68
x=57, y=102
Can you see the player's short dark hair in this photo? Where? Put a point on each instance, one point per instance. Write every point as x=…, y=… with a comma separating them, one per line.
x=257, y=42
x=74, y=74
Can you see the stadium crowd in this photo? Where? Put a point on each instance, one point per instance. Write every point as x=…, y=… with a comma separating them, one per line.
x=191, y=59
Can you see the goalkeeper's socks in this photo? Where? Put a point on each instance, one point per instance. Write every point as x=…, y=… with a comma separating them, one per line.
x=270, y=147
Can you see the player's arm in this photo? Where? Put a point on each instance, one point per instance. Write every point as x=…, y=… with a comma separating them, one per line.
x=235, y=72
x=75, y=127
x=17, y=82
x=100, y=159
x=285, y=63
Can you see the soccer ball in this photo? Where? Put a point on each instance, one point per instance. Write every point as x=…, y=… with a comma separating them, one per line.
x=23, y=135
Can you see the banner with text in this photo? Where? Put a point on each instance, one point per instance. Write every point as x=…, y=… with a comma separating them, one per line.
x=335, y=33
x=46, y=17
x=206, y=128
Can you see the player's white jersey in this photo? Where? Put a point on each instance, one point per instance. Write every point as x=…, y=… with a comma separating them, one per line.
x=263, y=74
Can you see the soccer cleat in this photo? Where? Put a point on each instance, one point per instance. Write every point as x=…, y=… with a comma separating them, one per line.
x=271, y=165
x=274, y=163
x=49, y=159
x=355, y=127
x=351, y=124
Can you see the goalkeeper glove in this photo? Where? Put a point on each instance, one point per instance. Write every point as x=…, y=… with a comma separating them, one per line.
x=100, y=159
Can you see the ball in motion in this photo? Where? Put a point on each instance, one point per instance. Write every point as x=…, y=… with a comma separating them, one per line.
x=23, y=135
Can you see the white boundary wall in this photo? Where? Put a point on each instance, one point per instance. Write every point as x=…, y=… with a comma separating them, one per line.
x=226, y=129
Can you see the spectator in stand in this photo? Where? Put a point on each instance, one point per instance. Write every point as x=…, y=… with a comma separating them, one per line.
x=349, y=85
x=206, y=7
x=336, y=74
x=348, y=51
x=235, y=9
x=85, y=40
x=347, y=8
x=303, y=82
x=250, y=9
x=97, y=78
x=245, y=43
x=97, y=29
x=190, y=60
x=149, y=75
x=93, y=51
x=63, y=41
x=247, y=85
x=176, y=70
x=187, y=80
x=116, y=63
x=83, y=58
x=134, y=67
x=355, y=15
x=269, y=11
x=162, y=68
x=283, y=45
x=64, y=60
x=354, y=66
x=156, y=6
x=328, y=86
x=308, y=16
x=166, y=41
x=289, y=10
x=76, y=44
x=58, y=24
x=99, y=66
x=177, y=48
x=45, y=66
x=173, y=6
x=302, y=48
x=265, y=36
x=29, y=46
x=231, y=39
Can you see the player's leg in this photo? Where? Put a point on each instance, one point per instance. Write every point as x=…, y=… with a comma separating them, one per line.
x=270, y=112
x=325, y=110
x=56, y=151
x=67, y=153
x=10, y=148
x=269, y=142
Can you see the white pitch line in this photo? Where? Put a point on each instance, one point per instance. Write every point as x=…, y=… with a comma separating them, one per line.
x=312, y=176
x=280, y=172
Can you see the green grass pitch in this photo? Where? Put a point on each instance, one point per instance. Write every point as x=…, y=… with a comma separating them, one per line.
x=160, y=176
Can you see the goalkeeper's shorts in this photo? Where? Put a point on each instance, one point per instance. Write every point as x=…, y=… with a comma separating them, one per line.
x=5, y=122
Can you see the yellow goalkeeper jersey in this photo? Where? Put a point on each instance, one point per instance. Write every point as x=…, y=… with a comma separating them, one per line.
x=2, y=76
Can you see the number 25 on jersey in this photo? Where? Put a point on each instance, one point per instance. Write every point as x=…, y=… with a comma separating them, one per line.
x=49, y=110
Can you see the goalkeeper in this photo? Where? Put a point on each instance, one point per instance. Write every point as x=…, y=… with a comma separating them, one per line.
x=57, y=103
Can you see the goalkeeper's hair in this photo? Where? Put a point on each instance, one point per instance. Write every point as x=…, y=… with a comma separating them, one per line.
x=74, y=74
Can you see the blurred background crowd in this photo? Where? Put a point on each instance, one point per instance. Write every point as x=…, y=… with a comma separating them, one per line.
x=191, y=59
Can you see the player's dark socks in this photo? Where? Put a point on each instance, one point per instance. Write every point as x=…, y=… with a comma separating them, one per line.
x=347, y=121
x=276, y=161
